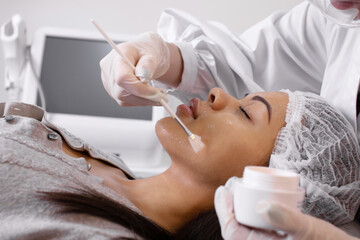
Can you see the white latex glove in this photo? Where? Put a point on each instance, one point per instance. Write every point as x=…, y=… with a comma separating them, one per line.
x=151, y=57
x=294, y=223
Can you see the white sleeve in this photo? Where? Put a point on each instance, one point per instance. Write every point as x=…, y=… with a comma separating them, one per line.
x=286, y=50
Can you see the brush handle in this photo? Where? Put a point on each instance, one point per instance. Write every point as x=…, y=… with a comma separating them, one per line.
x=170, y=111
x=108, y=39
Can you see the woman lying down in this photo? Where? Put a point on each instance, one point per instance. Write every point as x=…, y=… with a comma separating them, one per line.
x=54, y=185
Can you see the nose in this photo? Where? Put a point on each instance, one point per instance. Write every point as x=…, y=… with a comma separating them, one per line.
x=218, y=99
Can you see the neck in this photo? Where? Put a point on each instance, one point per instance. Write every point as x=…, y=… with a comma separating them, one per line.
x=170, y=199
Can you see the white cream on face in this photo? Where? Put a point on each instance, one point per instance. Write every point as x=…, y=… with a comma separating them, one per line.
x=229, y=122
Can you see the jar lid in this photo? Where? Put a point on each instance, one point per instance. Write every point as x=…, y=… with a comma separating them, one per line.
x=264, y=177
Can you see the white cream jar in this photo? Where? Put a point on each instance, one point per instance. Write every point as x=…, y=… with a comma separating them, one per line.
x=262, y=183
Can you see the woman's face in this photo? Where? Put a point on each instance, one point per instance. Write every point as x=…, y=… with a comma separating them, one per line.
x=236, y=133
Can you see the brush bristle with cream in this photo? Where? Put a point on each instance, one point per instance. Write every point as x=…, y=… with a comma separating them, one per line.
x=195, y=140
x=196, y=143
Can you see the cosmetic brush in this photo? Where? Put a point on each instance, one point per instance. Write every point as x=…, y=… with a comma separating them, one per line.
x=195, y=140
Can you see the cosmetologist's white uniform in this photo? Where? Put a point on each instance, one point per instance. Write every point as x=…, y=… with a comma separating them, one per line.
x=299, y=50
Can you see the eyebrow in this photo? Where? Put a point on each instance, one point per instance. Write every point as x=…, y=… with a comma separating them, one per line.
x=267, y=104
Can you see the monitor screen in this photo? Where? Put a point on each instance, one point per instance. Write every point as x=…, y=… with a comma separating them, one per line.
x=70, y=77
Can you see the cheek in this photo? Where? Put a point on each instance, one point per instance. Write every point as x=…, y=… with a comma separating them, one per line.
x=223, y=133
x=226, y=149
x=212, y=127
x=229, y=158
x=233, y=148
x=224, y=161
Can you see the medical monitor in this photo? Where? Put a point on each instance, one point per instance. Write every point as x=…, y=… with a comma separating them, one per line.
x=66, y=63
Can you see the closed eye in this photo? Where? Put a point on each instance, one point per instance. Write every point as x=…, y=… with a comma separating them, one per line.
x=245, y=113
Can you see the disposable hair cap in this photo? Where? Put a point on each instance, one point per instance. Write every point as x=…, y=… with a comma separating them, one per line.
x=319, y=143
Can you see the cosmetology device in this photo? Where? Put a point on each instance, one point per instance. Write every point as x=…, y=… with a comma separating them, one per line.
x=13, y=38
x=66, y=64
x=262, y=183
x=194, y=140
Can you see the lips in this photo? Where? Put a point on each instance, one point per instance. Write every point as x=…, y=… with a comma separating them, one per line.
x=194, y=106
x=189, y=110
x=184, y=109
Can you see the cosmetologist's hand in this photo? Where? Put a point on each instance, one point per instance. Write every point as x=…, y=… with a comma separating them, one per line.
x=294, y=223
x=151, y=57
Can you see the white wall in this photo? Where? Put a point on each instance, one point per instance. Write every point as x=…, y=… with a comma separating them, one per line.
x=132, y=16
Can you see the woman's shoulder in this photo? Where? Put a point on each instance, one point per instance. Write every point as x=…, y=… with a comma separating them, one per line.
x=32, y=163
x=28, y=125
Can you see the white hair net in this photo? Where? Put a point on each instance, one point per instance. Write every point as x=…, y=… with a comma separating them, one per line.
x=320, y=144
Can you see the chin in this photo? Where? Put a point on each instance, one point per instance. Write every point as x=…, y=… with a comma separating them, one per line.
x=171, y=136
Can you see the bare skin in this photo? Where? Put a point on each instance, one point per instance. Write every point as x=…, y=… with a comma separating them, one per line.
x=232, y=136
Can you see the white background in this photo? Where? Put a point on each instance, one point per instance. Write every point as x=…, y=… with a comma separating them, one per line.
x=132, y=17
